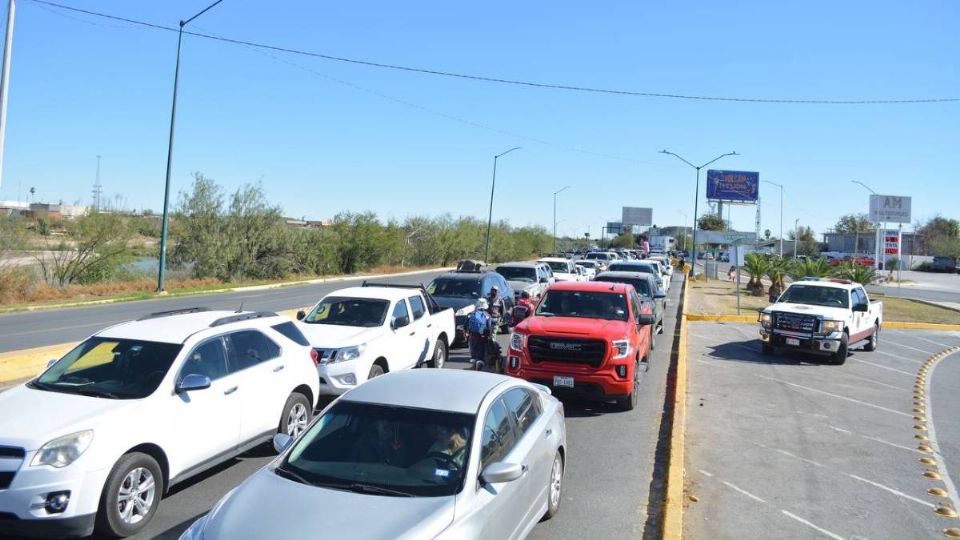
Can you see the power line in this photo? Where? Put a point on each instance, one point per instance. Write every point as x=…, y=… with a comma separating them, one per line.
x=513, y=82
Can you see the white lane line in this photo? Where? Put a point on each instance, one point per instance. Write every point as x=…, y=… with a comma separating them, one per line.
x=932, y=434
x=812, y=526
x=937, y=343
x=891, y=490
x=803, y=459
x=903, y=358
x=875, y=439
x=877, y=382
x=705, y=473
x=900, y=371
x=745, y=492
x=928, y=353
x=845, y=398
x=841, y=430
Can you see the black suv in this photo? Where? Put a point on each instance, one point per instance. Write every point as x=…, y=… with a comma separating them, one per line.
x=461, y=291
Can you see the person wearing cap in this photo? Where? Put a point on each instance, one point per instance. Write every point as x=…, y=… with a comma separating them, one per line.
x=478, y=329
x=523, y=309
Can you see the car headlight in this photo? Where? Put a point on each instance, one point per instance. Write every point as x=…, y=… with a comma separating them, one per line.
x=517, y=342
x=622, y=347
x=195, y=531
x=63, y=451
x=465, y=310
x=829, y=327
x=350, y=353
x=766, y=319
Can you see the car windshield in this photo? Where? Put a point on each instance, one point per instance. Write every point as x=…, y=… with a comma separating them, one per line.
x=384, y=450
x=110, y=368
x=646, y=268
x=641, y=285
x=587, y=264
x=816, y=296
x=462, y=288
x=518, y=273
x=342, y=311
x=558, y=266
x=584, y=304
x=598, y=256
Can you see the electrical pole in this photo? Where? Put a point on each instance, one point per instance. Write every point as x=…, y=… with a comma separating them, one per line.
x=5, y=77
x=796, y=237
x=493, y=186
x=97, y=189
x=555, y=217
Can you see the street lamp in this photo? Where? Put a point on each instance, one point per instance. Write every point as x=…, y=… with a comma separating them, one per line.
x=493, y=185
x=781, y=216
x=877, y=233
x=555, y=215
x=173, y=117
x=696, y=199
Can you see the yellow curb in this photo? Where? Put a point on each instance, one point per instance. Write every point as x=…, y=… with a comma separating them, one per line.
x=716, y=317
x=898, y=325
x=673, y=506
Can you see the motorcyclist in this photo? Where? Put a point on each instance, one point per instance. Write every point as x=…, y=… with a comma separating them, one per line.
x=478, y=331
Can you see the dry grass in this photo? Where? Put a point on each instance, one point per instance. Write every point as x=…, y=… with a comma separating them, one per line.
x=719, y=297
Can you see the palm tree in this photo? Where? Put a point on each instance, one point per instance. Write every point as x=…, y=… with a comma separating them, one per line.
x=776, y=270
x=817, y=268
x=858, y=273
x=755, y=265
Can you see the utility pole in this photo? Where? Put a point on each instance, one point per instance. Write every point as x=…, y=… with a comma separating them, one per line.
x=5, y=77
x=493, y=186
x=97, y=188
x=796, y=237
x=555, y=216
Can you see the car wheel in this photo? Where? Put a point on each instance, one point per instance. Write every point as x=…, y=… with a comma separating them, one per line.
x=131, y=496
x=660, y=326
x=555, y=489
x=840, y=357
x=440, y=354
x=297, y=413
x=653, y=339
x=629, y=402
x=766, y=348
x=376, y=370
x=874, y=339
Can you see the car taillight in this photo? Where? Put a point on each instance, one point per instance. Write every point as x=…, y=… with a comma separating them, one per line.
x=315, y=356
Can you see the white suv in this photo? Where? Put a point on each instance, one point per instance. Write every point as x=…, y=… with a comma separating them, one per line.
x=98, y=438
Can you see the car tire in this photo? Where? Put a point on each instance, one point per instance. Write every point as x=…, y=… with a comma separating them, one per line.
x=140, y=504
x=766, y=348
x=439, y=354
x=554, y=488
x=653, y=339
x=874, y=340
x=376, y=370
x=840, y=357
x=297, y=413
x=629, y=402
x=660, y=326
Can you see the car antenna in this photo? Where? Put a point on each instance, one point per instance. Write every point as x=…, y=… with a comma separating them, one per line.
x=240, y=309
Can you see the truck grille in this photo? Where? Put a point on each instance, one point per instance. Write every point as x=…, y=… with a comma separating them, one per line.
x=10, y=460
x=794, y=323
x=586, y=351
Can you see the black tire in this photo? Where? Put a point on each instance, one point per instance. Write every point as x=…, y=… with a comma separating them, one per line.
x=553, y=503
x=660, y=326
x=376, y=370
x=439, y=354
x=653, y=339
x=874, y=340
x=297, y=413
x=840, y=357
x=109, y=521
x=629, y=402
x=766, y=348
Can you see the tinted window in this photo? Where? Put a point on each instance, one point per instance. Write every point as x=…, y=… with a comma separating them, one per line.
x=816, y=296
x=342, y=311
x=291, y=332
x=457, y=287
x=518, y=273
x=207, y=359
x=859, y=297
x=524, y=406
x=400, y=311
x=589, y=305
x=641, y=285
x=498, y=437
x=635, y=300
x=559, y=266
x=416, y=305
x=249, y=347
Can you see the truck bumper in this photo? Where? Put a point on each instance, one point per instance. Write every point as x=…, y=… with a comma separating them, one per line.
x=599, y=386
x=828, y=344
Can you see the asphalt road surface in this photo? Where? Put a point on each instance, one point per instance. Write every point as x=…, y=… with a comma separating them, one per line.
x=25, y=330
x=611, y=453
x=785, y=446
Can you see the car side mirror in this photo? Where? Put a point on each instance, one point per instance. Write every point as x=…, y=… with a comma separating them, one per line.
x=645, y=319
x=193, y=381
x=301, y=315
x=282, y=441
x=400, y=322
x=500, y=472
x=659, y=294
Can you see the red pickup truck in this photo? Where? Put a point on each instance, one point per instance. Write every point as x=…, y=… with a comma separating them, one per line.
x=589, y=339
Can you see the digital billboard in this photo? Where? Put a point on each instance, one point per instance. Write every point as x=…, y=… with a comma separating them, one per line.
x=735, y=186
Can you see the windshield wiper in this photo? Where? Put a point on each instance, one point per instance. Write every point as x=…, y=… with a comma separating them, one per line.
x=91, y=392
x=377, y=490
x=290, y=475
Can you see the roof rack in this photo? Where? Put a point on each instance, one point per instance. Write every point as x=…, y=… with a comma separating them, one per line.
x=172, y=312
x=470, y=266
x=242, y=317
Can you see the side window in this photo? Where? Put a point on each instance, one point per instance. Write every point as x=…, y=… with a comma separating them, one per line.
x=291, y=332
x=416, y=305
x=860, y=296
x=248, y=348
x=400, y=312
x=525, y=408
x=498, y=436
x=208, y=359
x=635, y=301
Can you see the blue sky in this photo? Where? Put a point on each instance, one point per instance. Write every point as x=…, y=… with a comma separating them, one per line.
x=326, y=136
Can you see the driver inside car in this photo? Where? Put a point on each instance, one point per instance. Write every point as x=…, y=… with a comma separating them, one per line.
x=449, y=442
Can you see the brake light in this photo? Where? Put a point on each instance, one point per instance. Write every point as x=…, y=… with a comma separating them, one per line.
x=315, y=356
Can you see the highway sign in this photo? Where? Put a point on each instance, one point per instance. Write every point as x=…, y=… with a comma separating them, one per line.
x=890, y=209
x=733, y=186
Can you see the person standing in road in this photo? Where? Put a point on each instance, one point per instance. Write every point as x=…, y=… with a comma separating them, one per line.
x=523, y=309
x=478, y=330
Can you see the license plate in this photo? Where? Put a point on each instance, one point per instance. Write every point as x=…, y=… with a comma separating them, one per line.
x=793, y=341
x=563, y=381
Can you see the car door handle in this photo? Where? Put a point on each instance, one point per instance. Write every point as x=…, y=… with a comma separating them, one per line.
x=230, y=390
x=549, y=432
x=524, y=468
x=278, y=368
x=430, y=325
x=413, y=333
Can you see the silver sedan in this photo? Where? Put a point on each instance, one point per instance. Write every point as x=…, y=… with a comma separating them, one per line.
x=413, y=454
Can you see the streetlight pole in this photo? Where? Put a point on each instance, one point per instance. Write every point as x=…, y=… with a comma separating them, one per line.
x=5, y=77
x=796, y=238
x=684, y=214
x=493, y=185
x=877, y=234
x=781, y=217
x=555, y=193
x=696, y=200
x=173, y=118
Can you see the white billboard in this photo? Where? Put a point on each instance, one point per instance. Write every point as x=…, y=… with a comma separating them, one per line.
x=889, y=209
x=637, y=216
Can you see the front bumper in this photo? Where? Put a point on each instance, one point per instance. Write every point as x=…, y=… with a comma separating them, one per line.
x=72, y=527
x=812, y=343
x=335, y=377
x=601, y=384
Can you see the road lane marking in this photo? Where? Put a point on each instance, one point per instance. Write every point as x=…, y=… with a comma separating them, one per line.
x=838, y=396
x=900, y=371
x=705, y=473
x=937, y=343
x=812, y=526
x=905, y=359
x=891, y=490
x=743, y=491
x=877, y=382
x=932, y=434
x=875, y=439
x=926, y=353
x=803, y=459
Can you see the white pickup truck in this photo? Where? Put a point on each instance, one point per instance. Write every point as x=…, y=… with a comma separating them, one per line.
x=822, y=317
x=363, y=332
x=563, y=269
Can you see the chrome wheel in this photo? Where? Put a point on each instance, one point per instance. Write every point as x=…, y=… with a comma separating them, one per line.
x=297, y=419
x=440, y=356
x=556, y=482
x=136, y=495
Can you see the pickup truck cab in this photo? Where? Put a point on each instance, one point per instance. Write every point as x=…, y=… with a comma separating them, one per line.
x=822, y=317
x=563, y=269
x=362, y=332
x=589, y=339
x=526, y=276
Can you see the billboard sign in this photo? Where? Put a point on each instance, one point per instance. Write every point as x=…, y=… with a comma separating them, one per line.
x=726, y=237
x=890, y=209
x=614, y=227
x=637, y=216
x=734, y=186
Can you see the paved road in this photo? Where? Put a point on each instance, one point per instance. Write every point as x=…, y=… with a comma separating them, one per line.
x=607, y=483
x=944, y=389
x=786, y=447
x=49, y=327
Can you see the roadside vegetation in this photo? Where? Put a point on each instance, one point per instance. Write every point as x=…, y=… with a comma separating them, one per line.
x=217, y=238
